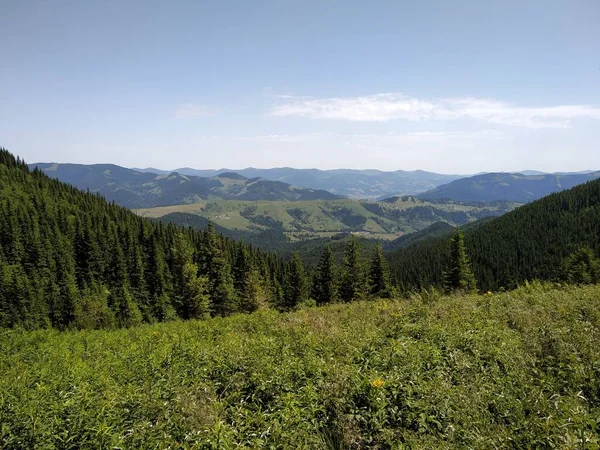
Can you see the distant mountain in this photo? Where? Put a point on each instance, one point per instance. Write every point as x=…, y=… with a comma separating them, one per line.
x=134, y=189
x=363, y=184
x=511, y=187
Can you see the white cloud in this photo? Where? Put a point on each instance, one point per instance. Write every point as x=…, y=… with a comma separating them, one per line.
x=390, y=106
x=194, y=110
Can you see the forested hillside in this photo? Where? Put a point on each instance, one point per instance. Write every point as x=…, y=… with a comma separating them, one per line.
x=529, y=242
x=70, y=259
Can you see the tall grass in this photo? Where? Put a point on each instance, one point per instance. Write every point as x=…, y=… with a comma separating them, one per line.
x=513, y=370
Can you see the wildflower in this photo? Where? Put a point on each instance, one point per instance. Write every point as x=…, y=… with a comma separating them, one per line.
x=377, y=383
x=489, y=292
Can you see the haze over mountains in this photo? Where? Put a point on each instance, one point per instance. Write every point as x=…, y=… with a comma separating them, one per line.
x=134, y=189
x=364, y=184
x=511, y=187
x=249, y=205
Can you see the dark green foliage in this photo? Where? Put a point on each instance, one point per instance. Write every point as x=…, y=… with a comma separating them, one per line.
x=379, y=277
x=216, y=267
x=325, y=283
x=354, y=281
x=296, y=286
x=190, y=292
x=247, y=282
x=458, y=275
x=528, y=243
x=582, y=267
x=433, y=230
x=70, y=259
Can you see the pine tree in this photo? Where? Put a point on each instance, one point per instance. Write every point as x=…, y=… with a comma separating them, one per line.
x=325, y=286
x=458, y=275
x=354, y=283
x=379, y=280
x=294, y=291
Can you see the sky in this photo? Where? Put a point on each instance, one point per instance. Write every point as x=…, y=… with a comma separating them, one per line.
x=446, y=86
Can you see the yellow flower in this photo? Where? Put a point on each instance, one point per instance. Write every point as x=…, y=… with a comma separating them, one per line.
x=489, y=292
x=377, y=383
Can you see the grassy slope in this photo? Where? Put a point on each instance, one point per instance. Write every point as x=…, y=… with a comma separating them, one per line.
x=383, y=220
x=518, y=370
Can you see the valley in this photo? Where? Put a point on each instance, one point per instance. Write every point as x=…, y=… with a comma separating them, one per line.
x=302, y=220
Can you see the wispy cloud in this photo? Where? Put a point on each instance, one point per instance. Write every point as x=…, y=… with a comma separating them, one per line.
x=195, y=110
x=390, y=106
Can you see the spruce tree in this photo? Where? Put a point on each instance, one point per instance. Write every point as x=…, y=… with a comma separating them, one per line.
x=325, y=286
x=379, y=280
x=295, y=289
x=354, y=283
x=458, y=276
x=247, y=282
x=218, y=272
x=190, y=290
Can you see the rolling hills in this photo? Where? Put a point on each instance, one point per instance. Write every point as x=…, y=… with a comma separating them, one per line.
x=133, y=189
x=510, y=187
x=317, y=219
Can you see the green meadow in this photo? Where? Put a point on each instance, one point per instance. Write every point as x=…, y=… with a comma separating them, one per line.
x=519, y=369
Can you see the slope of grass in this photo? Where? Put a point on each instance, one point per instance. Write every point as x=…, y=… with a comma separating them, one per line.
x=322, y=218
x=513, y=370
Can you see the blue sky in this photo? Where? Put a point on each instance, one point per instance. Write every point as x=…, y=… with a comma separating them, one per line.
x=454, y=87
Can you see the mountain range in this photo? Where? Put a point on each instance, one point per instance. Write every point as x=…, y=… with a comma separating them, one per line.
x=363, y=184
x=134, y=189
x=510, y=187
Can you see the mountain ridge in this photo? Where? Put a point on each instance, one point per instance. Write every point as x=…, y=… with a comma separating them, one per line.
x=503, y=186
x=134, y=189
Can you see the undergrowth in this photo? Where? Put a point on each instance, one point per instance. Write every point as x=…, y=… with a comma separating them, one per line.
x=514, y=370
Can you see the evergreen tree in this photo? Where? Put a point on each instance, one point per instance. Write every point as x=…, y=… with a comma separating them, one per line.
x=190, y=290
x=379, y=280
x=68, y=258
x=582, y=267
x=247, y=282
x=458, y=275
x=325, y=286
x=218, y=272
x=295, y=289
x=354, y=283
